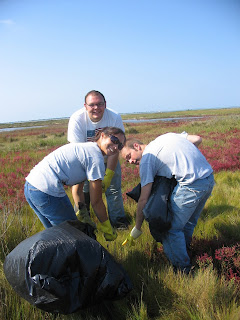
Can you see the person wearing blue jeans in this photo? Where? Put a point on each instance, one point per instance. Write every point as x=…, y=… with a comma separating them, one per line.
x=82, y=127
x=68, y=165
x=186, y=203
x=173, y=156
x=49, y=209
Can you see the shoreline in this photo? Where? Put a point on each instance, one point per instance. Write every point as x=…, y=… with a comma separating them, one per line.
x=133, y=117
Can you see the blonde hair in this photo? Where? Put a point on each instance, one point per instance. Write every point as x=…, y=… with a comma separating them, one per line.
x=131, y=141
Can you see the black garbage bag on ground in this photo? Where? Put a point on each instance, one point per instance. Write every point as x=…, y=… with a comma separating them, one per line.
x=62, y=270
x=157, y=210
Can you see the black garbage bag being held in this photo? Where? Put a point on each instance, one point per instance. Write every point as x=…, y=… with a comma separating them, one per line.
x=157, y=211
x=62, y=270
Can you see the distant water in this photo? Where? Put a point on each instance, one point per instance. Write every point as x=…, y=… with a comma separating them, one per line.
x=163, y=119
x=20, y=128
x=125, y=121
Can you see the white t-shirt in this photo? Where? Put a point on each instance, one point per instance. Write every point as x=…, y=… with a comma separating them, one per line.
x=172, y=155
x=68, y=165
x=82, y=129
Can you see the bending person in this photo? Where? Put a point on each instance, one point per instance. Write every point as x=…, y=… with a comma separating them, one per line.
x=173, y=155
x=68, y=165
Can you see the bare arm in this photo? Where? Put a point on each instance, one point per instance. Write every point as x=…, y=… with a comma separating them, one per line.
x=112, y=161
x=97, y=201
x=145, y=193
x=196, y=140
x=77, y=193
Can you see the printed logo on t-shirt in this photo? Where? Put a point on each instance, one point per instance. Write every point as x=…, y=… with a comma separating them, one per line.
x=91, y=134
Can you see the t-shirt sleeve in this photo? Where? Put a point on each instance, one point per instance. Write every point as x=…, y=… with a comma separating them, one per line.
x=76, y=132
x=184, y=134
x=119, y=123
x=95, y=169
x=147, y=169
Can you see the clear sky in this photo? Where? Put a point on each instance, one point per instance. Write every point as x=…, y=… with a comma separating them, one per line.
x=143, y=55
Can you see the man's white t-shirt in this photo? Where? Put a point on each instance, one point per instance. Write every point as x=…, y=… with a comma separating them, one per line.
x=172, y=155
x=82, y=129
x=68, y=165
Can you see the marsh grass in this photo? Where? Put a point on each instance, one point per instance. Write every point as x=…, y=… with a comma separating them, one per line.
x=159, y=292
x=221, y=216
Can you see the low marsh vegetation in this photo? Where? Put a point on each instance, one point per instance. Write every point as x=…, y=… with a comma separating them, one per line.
x=211, y=291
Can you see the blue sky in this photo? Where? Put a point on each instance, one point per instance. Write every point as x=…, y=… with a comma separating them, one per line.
x=143, y=55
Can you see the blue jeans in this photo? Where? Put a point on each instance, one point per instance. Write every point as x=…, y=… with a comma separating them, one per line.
x=50, y=210
x=114, y=198
x=186, y=203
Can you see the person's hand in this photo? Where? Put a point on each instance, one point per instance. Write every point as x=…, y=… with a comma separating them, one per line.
x=134, y=234
x=107, y=179
x=83, y=215
x=108, y=231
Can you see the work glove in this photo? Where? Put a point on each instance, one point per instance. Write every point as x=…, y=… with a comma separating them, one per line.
x=83, y=215
x=108, y=231
x=107, y=179
x=134, y=234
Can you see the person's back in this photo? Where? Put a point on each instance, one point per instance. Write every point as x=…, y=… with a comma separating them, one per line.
x=67, y=165
x=171, y=155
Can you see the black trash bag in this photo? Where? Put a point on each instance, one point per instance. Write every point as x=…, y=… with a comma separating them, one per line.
x=62, y=270
x=157, y=210
x=135, y=192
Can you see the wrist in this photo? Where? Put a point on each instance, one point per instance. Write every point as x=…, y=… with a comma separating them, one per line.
x=109, y=171
x=135, y=233
x=105, y=226
x=81, y=205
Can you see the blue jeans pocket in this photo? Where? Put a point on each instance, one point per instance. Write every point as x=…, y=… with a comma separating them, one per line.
x=187, y=197
x=39, y=198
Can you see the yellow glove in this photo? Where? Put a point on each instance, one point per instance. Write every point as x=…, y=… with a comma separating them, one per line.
x=83, y=216
x=134, y=234
x=107, y=179
x=107, y=229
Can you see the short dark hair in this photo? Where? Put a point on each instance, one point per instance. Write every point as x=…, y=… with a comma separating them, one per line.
x=95, y=93
x=110, y=131
x=131, y=141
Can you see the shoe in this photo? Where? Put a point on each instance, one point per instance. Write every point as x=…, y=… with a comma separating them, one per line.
x=121, y=226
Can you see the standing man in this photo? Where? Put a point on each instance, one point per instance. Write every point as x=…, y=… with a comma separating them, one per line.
x=83, y=126
x=173, y=155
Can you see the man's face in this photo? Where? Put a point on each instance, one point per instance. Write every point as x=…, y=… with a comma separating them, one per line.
x=131, y=155
x=95, y=107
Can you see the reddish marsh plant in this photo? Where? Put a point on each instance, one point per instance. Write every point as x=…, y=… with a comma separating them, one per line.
x=228, y=262
x=15, y=166
x=225, y=260
x=204, y=261
x=225, y=152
